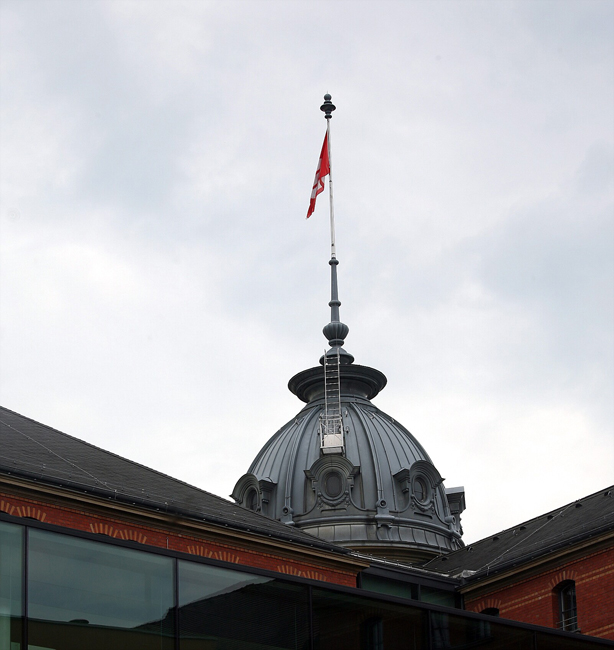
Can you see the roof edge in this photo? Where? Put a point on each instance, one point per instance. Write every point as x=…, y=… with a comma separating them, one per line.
x=109, y=495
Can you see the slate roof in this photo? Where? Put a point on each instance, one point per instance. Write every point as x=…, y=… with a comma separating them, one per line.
x=35, y=451
x=573, y=523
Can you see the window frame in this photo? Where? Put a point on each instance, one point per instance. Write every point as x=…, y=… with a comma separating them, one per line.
x=567, y=606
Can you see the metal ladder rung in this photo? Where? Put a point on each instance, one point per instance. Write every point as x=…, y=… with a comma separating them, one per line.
x=331, y=422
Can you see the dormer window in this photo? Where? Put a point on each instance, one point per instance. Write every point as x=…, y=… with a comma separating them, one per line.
x=420, y=489
x=251, y=501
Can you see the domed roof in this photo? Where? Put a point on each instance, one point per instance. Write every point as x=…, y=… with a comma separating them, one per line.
x=380, y=494
x=342, y=469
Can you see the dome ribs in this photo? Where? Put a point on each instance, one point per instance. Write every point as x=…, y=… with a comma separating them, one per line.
x=389, y=500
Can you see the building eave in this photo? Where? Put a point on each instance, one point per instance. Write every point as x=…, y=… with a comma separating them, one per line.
x=174, y=520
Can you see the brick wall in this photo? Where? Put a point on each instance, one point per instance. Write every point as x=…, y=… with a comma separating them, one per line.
x=534, y=600
x=153, y=535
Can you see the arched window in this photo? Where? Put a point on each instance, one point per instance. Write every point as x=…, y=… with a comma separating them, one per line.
x=568, y=612
x=252, y=500
x=491, y=611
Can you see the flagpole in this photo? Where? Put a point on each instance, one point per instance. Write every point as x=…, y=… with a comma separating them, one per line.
x=328, y=107
x=335, y=331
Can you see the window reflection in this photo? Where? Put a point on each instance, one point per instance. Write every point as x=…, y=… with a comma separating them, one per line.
x=11, y=585
x=437, y=596
x=451, y=632
x=80, y=591
x=345, y=622
x=199, y=582
x=88, y=595
x=226, y=609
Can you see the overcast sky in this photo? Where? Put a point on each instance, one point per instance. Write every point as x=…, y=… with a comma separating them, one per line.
x=159, y=284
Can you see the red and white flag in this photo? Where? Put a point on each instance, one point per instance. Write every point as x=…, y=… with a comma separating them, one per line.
x=322, y=171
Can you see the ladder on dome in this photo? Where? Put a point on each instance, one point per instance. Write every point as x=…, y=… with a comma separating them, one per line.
x=331, y=422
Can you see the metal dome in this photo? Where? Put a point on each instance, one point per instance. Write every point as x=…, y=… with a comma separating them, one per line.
x=382, y=495
x=342, y=469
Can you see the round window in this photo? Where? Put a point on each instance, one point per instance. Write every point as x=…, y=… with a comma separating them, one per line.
x=333, y=484
x=252, y=500
x=420, y=489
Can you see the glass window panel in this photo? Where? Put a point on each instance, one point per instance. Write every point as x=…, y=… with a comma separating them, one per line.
x=345, y=622
x=228, y=610
x=437, y=596
x=568, y=615
x=449, y=631
x=419, y=489
x=11, y=585
x=11, y=569
x=387, y=586
x=86, y=594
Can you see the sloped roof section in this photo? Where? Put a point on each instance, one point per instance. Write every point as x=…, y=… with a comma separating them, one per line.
x=35, y=451
x=571, y=524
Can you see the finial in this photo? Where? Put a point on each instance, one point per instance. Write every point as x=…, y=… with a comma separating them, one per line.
x=327, y=107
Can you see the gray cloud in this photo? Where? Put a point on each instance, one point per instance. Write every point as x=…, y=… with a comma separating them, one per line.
x=159, y=283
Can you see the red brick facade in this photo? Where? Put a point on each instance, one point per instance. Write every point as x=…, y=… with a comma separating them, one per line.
x=253, y=551
x=533, y=598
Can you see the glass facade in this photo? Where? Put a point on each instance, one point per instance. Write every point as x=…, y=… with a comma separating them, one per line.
x=437, y=596
x=219, y=608
x=86, y=594
x=11, y=586
x=83, y=594
x=348, y=622
x=393, y=587
x=389, y=587
x=454, y=631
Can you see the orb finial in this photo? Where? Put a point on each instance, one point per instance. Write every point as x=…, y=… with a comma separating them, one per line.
x=327, y=107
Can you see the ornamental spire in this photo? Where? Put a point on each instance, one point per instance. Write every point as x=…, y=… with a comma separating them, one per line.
x=336, y=331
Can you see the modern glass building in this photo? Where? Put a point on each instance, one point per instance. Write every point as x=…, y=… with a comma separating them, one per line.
x=74, y=592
